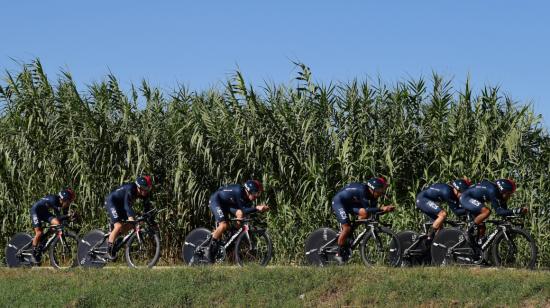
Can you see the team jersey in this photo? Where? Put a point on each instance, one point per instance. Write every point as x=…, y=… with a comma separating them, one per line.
x=441, y=193
x=487, y=191
x=357, y=195
x=124, y=197
x=233, y=196
x=50, y=202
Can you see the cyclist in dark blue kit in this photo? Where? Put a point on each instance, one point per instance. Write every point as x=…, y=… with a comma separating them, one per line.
x=119, y=206
x=237, y=200
x=428, y=200
x=358, y=199
x=41, y=212
x=498, y=193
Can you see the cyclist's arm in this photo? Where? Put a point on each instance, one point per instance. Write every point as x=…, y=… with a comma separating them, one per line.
x=249, y=210
x=500, y=206
x=371, y=206
x=128, y=205
x=454, y=205
x=147, y=204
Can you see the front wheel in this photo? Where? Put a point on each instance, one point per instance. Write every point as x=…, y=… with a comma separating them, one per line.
x=18, y=250
x=63, y=251
x=381, y=247
x=321, y=247
x=253, y=247
x=143, y=249
x=92, y=249
x=514, y=248
x=195, y=247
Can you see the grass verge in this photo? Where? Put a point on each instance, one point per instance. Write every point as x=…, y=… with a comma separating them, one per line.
x=274, y=286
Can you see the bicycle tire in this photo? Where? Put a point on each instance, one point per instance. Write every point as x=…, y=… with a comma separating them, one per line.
x=502, y=256
x=255, y=248
x=445, y=239
x=150, y=243
x=68, y=258
x=193, y=240
x=87, y=258
x=406, y=239
x=315, y=241
x=384, y=250
x=17, y=242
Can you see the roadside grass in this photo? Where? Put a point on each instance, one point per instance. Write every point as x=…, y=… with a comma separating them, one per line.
x=275, y=287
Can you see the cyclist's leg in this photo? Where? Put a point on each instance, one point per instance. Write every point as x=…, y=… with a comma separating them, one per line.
x=54, y=221
x=116, y=216
x=221, y=215
x=362, y=213
x=238, y=213
x=36, y=223
x=433, y=211
x=345, y=229
x=478, y=210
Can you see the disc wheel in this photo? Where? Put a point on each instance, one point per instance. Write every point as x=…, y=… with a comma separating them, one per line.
x=92, y=249
x=321, y=247
x=18, y=250
x=450, y=247
x=195, y=247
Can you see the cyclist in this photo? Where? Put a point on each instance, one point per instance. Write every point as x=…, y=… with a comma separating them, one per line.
x=119, y=206
x=40, y=212
x=428, y=199
x=359, y=199
x=497, y=193
x=237, y=200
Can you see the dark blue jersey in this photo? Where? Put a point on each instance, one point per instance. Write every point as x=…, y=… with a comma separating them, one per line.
x=50, y=202
x=233, y=196
x=357, y=195
x=487, y=191
x=440, y=193
x=124, y=197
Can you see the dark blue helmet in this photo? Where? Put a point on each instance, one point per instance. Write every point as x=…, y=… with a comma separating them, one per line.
x=67, y=194
x=461, y=184
x=506, y=185
x=144, y=182
x=253, y=186
x=377, y=184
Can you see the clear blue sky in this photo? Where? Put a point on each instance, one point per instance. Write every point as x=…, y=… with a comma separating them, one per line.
x=198, y=43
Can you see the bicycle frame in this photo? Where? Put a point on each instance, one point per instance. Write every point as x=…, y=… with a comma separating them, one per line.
x=371, y=227
x=52, y=232
x=469, y=253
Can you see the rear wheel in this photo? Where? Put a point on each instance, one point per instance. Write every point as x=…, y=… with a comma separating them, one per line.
x=381, y=248
x=143, y=250
x=63, y=251
x=418, y=254
x=18, y=250
x=321, y=247
x=253, y=247
x=515, y=248
x=451, y=247
x=92, y=249
x=195, y=247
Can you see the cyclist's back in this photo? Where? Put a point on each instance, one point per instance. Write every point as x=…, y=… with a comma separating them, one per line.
x=439, y=192
x=485, y=191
